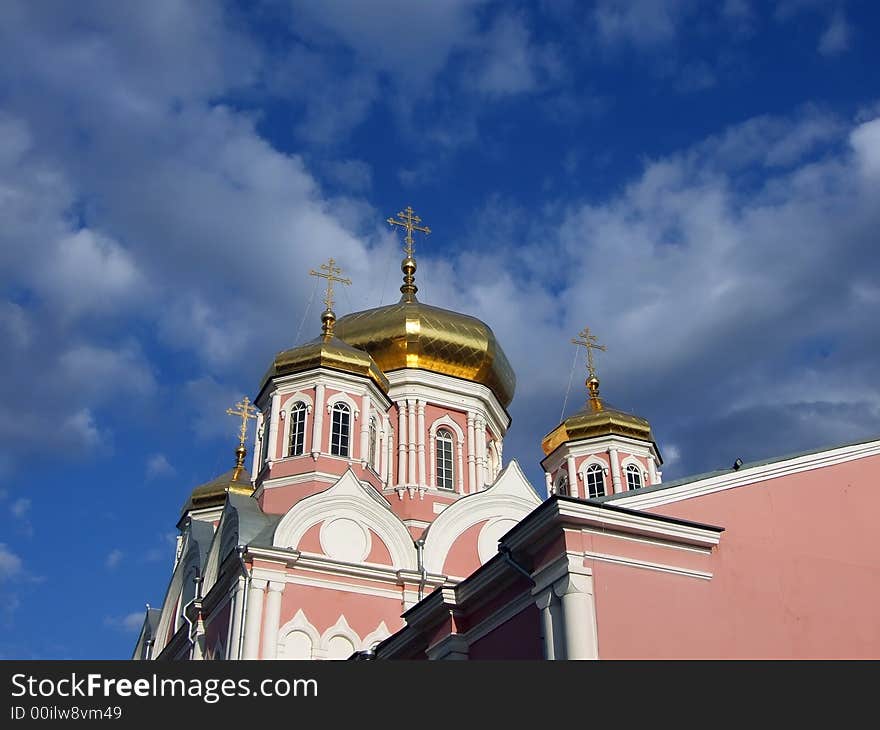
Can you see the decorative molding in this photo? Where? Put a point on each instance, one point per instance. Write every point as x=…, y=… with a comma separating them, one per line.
x=731, y=480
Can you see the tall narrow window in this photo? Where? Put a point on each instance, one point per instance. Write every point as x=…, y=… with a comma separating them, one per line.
x=595, y=481
x=633, y=477
x=265, y=437
x=444, y=460
x=340, y=429
x=562, y=485
x=372, y=442
x=297, y=440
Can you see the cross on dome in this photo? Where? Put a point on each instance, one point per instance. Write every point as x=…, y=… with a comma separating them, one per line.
x=589, y=341
x=329, y=272
x=409, y=222
x=245, y=411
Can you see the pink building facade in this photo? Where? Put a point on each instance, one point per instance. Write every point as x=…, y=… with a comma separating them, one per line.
x=379, y=520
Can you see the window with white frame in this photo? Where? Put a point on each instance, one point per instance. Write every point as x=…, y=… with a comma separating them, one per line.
x=297, y=440
x=595, y=479
x=633, y=477
x=340, y=430
x=445, y=476
x=562, y=485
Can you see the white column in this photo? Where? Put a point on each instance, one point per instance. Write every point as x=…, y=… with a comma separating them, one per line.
x=253, y=620
x=615, y=470
x=572, y=477
x=578, y=616
x=271, y=455
x=548, y=482
x=420, y=441
x=258, y=447
x=432, y=464
x=482, y=461
x=543, y=600
x=459, y=447
x=401, y=443
x=318, y=421
x=389, y=446
x=383, y=454
x=472, y=456
x=235, y=605
x=411, y=476
x=272, y=620
x=365, y=431
x=652, y=470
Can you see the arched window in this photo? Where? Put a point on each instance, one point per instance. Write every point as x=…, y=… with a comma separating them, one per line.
x=562, y=485
x=296, y=442
x=372, y=442
x=633, y=477
x=595, y=479
x=340, y=429
x=444, y=459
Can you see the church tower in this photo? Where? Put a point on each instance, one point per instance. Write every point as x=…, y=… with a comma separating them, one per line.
x=377, y=477
x=599, y=450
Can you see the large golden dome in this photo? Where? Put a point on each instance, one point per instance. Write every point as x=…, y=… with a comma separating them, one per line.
x=410, y=334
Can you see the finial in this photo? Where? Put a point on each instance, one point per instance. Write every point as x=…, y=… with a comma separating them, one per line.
x=408, y=221
x=590, y=342
x=328, y=317
x=244, y=411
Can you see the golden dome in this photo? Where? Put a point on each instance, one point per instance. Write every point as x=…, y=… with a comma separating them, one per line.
x=410, y=334
x=596, y=419
x=326, y=352
x=213, y=493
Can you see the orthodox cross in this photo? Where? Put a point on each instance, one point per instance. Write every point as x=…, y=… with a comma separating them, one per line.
x=409, y=222
x=331, y=270
x=590, y=341
x=245, y=411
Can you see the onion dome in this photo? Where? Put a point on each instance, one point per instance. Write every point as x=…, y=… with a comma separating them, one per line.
x=410, y=334
x=236, y=480
x=597, y=419
x=327, y=351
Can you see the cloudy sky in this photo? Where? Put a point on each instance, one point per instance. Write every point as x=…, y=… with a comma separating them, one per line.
x=697, y=182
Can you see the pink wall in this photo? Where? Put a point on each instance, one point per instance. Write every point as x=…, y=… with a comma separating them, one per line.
x=463, y=557
x=323, y=608
x=797, y=575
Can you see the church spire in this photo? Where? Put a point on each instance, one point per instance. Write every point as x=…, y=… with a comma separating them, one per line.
x=409, y=222
x=591, y=342
x=329, y=272
x=244, y=411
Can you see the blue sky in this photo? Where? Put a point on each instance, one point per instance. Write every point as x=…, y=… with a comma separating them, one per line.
x=697, y=182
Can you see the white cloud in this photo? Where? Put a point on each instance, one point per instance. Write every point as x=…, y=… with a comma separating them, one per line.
x=130, y=622
x=10, y=563
x=865, y=141
x=639, y=22
x=114, y=558
x=836, y=37
x=20, y=507
x=158, y=466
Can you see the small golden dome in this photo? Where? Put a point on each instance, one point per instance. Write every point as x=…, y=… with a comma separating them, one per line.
x=213, y=493
x=596, y=419
x=410, y=334
x=326, y=352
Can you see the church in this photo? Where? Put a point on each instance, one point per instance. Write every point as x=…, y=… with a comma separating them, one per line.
x=379, y=520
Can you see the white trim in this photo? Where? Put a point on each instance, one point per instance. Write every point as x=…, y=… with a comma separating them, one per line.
x=510, y=497
x=641, y=469
x=302, y=624
x=344, y=398
x=380, y=633
x=446, y=420
x=764, y=472
x=660, y=567
x=340, y=628
x=287, y=416
x=348, y=498
x=593, y=460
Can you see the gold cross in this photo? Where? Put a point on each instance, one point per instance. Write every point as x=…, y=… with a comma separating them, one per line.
x=331, y=269
x=590, y=341
x=409, y=221
x=245, y=411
